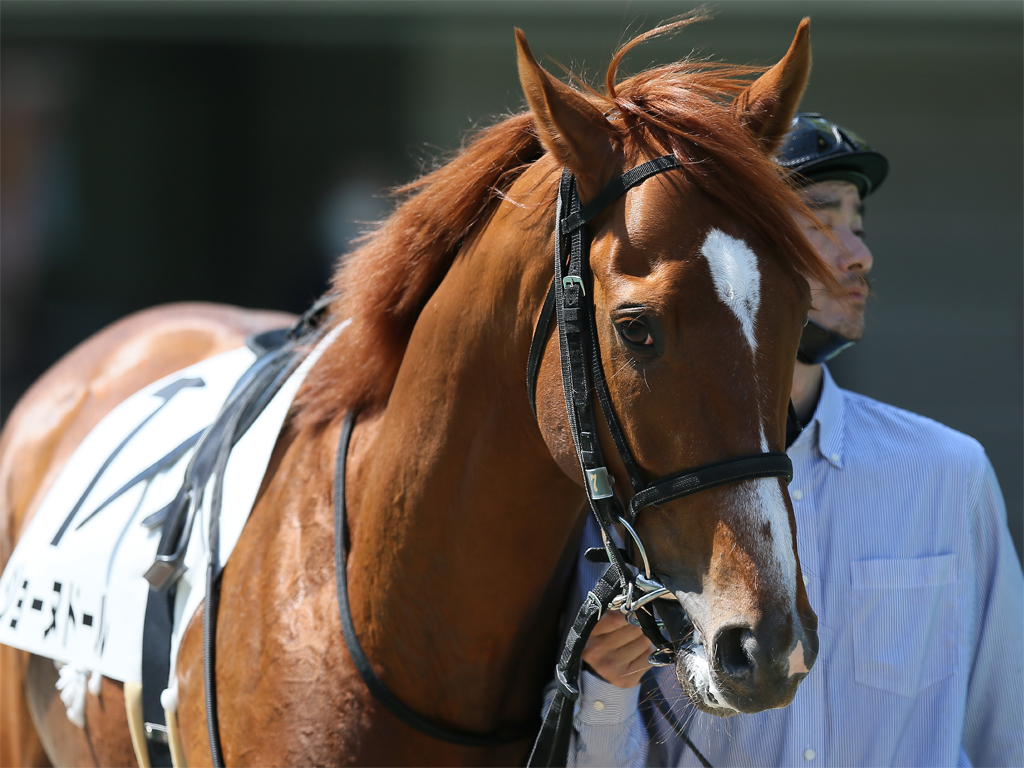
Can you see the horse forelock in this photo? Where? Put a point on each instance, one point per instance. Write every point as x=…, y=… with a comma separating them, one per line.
x=683, y=108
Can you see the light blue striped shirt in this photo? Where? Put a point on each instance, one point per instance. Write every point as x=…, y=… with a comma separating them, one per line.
x=908, y=562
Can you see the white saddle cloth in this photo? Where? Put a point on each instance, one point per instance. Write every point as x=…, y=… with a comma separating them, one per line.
x=74, y=590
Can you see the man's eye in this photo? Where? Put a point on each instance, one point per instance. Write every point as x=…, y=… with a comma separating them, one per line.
x=635, y=332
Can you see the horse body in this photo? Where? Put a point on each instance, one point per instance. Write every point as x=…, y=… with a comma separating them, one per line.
x=464, y=506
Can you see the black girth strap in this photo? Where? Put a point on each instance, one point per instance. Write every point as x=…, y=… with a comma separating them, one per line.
x=247, y=400
x=380, y=691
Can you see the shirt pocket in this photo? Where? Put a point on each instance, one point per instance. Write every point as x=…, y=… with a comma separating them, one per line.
x=903, y=623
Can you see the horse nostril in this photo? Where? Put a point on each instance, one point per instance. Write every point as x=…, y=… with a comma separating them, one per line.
x=731, y=651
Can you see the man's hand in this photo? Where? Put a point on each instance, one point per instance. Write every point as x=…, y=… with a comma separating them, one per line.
x=618, y=651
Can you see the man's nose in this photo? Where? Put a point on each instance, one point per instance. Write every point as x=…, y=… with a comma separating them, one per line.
x=856, y=254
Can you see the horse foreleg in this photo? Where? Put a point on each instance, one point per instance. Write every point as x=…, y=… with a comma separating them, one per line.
x=105, y=739
x=19, y=742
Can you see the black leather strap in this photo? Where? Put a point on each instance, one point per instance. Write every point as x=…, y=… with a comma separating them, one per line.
x=551, y=747
x=380, y=691
x=711, y=476
x=604, y=398
x=617, y=188
x=248, y=399
x=156, y=668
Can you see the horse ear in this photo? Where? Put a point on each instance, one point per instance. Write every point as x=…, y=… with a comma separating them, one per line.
x=767, y=107
x=571, y=128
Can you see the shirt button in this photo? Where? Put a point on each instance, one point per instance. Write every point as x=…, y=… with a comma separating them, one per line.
x=809, y=754
x=834, y=457
x=598, y=705
x=797, y=494
x=807, y=580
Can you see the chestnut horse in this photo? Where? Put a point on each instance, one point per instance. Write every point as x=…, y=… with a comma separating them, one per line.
x=464, y=508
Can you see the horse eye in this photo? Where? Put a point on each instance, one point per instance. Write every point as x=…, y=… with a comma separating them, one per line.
x=635, y=332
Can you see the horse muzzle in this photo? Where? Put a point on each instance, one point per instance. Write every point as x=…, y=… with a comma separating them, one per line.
x=735, y=667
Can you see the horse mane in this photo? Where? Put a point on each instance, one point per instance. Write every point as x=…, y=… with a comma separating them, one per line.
x=381, y=287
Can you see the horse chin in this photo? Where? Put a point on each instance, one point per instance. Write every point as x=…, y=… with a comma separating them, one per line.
x=698, y=681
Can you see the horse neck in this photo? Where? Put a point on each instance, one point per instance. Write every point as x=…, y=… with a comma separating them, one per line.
x=461, y=516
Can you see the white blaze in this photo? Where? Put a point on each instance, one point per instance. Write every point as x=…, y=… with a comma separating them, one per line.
x=761, y=502
x=737, y=279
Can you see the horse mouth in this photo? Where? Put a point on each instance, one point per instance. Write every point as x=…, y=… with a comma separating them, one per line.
x=693, y=671
x=697, y=680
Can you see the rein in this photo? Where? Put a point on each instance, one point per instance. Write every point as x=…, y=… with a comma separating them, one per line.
x=380, y=691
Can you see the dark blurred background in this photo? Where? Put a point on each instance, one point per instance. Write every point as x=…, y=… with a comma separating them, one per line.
x=226, y=151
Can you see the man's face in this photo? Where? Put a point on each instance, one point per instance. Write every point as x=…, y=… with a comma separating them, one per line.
x=839, y=210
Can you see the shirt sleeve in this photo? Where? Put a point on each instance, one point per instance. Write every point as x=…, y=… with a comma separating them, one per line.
x=994, y=718
x=607, y=727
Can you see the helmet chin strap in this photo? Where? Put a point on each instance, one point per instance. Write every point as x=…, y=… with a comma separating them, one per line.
x=819, y=345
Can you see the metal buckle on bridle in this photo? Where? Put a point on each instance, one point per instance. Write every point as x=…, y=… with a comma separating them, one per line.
x=570, y=279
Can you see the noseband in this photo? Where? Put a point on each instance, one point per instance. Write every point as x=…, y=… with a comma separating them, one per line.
x=570, y=300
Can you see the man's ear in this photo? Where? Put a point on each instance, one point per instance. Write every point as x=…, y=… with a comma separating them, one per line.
x=571, y=128
x=768, y=106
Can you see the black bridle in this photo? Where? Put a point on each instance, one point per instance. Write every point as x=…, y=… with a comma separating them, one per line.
x=570, y=300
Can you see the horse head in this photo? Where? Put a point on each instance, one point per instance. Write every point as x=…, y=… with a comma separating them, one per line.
x=699, y=295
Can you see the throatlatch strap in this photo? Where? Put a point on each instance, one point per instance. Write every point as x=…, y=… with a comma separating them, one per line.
x=380, y=691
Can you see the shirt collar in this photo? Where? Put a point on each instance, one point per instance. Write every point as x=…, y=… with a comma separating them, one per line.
x=830, y=415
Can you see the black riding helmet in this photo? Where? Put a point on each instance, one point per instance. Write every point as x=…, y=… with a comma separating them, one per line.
x=816, y=149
